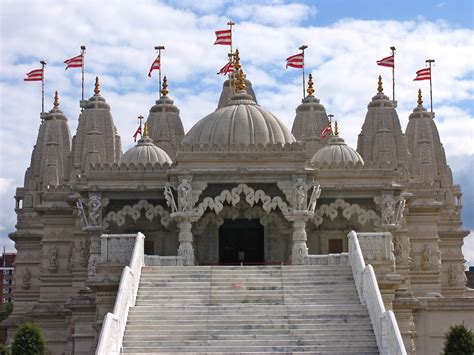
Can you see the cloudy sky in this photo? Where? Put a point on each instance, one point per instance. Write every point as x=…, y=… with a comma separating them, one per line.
x=345, y=38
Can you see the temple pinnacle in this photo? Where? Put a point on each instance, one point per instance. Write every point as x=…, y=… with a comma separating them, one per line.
x=336, y=129
x=420, y=98
x=240, y=77
x=380, y=87
x=237, y=65
x=164, y=90
x=145, y=130
x=310, y=85
x=56, y=100
x=97, y=86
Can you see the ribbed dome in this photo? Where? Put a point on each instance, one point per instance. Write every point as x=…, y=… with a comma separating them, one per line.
x=337, y=151
x=240, y=122
x=145, y=152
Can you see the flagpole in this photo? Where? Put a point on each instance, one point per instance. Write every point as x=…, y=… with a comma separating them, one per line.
x=140, y=120
x=330, y=120
x=303, y=47
x=429, y=61
x=230, y=24
x=393, y=73
x=159, y=48
x=83, y=51
x=43, y=63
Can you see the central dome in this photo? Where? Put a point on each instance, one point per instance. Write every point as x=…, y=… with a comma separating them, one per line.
x=240, y=122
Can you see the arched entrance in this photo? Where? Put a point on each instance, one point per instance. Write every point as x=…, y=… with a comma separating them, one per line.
x=241, y=241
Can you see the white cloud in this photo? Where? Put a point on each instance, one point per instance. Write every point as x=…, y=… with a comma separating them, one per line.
x=272, y=15
x=468, y=249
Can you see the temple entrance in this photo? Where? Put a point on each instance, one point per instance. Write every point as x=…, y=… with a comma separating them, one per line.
x=241, y=241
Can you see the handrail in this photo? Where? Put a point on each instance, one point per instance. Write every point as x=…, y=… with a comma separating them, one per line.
x=113, y=328
x=387, y=333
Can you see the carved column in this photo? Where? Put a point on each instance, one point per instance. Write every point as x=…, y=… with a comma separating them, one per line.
x=299, y=250
x=185, y=250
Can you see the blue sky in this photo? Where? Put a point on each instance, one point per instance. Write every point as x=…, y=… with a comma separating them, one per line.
x=345, y=39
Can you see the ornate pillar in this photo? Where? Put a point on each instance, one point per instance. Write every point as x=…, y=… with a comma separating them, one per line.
x=185, y=250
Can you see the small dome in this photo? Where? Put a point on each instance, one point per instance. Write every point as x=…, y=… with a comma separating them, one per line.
x=145, y=152
x=240, y=122
x=337, y=151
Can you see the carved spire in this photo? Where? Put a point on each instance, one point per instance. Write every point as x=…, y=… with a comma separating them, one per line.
x=336, y=129
x=56, y=100
x=164, y=90
x=310, y=85
x=380, y=87
x=420, y=98
x=145, y=130
x=97, y=86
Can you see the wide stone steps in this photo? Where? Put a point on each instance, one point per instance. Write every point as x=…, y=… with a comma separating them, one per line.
x=248, y=309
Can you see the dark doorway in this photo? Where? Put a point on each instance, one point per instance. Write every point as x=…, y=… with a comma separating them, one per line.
x=334, y=246
x=241, y=241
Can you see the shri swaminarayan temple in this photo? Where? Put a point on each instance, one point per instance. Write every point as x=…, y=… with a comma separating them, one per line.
x=240, y=235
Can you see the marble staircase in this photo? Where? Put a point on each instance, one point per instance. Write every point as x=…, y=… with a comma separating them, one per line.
x=248, y=309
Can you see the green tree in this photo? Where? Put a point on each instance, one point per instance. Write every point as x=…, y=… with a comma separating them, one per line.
x=28, y=340
x=5, y=311
x=459, y=340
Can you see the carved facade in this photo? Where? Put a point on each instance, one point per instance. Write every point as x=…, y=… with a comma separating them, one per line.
x=238, y=171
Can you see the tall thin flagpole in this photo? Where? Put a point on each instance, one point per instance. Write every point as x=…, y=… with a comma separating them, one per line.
x=159, y=48
x=83, y=51
x=393, y=73
x=43, y=63
x=230, y=24
x=429, y=61
x=303, y=47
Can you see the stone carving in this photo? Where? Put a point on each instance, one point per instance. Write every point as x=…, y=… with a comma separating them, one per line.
x=25, y=284
x=185, y=250
x=233, y=197
x=388, y=209
x=95, y=209
x=314, y=197
x=70, y=257
x=185, y=196
x=53, y=259
x=426, y=257
x=82, y=213
x=84, y=251
x=452, y=275
x=135, y=212
x=300, y=195
x=398, y=249
x=170, y=199
x=392, y=209
x=348, y=210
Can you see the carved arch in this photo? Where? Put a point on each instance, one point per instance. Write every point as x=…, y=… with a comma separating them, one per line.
x=135, y=212
x=348, y=211
x=233, y=197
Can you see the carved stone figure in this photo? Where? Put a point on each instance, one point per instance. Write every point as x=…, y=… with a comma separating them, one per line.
x=70, y=257
x=185, y=202
x=82, y=213
x=53, y=259
x=426, y=256
x=452, y=275
x=94, y=206
x=398, y=249
x=388, y=210
x=25, y=284
x=170, y=199
x=400, y=210
x=314, y=197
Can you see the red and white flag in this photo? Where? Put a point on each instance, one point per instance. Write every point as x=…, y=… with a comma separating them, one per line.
x=226, y=69
x=423, y=74
x=138, y=132
x=74, y=62
x=387, y=62
x=326, y=130
x=155, y=65
x=34, y=75
x=295, y=61
x=224, y=37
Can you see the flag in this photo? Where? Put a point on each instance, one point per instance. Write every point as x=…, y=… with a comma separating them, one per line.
x=295, y=61
x=138, y=132
x=155, y=65
x=74, y=62
x=387, y=62
x=34, y=75
x=326, y=130
x=423, y=74
x=226, y=69
x=224, y=37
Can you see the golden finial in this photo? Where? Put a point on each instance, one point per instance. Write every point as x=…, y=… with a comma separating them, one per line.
x=310, y=85
x=237, y=65
x=56, y=100
x=97, y=86
x=420, y=98
x=336, y=129
x=164, y=90
x=380, y=87
x=145, y=130
x=240, y=77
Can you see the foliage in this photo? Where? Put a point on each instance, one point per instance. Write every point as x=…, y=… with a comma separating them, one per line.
x=5, y=311
x=459, y=340
x=3, y=350
x=28, y=340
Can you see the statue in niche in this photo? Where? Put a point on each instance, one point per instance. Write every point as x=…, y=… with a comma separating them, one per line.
x=26, y=279
x=53, y=258
x=94, y=206
x=398, y=249
x=388, y=210
x=185, y=196
x=170, y=199
x=300, y=196
x=452, y=275
x=426, y=256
